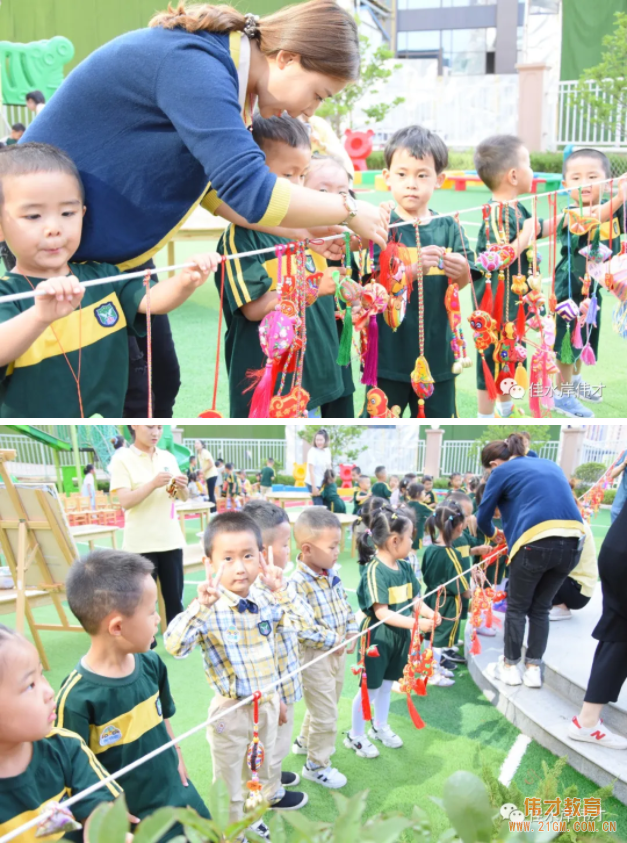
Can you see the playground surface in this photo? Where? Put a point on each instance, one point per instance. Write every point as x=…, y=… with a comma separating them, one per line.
x=195, y=326
x=463, y=730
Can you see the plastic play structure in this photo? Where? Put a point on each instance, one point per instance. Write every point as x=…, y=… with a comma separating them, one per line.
x=300, y=472
x=346, y=476
x=359, y=146
x=181, y=453
x=37, y=66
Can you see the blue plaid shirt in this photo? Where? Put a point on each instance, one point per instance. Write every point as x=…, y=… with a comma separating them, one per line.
x=334, y=620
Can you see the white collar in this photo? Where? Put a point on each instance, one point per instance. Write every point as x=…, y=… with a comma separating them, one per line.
x=243, y=71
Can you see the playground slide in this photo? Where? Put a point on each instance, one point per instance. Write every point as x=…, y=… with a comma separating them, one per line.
x=40, y=436
x=181, y=453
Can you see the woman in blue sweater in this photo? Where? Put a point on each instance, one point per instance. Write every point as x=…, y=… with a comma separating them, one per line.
x=544, y=532
x=155, y=121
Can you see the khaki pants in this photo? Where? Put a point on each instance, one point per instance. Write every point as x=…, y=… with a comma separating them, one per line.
x=264, y=490
x=282, y=749
x=229, y=739
x=322, y=688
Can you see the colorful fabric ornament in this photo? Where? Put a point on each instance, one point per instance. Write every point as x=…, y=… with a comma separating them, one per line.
x=567, y=309
x=366, y=649
x=254, y=759
x=396, y=277
x=596, y=254
x=290, y=406
x=422, y=383
x=458, y=343
x=374, y=299
x=56, y=819
x=276, y=336
x=418, y=670
x=484, y=335
x=617, y=270
x=377, y=405
x=579, y=223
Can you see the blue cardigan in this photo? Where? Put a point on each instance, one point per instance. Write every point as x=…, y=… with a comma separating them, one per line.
x=533, y=497
x=152, y=120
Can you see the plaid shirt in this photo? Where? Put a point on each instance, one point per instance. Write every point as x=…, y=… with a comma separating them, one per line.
x=286, y=650
x=333, y=616
x=237, y=647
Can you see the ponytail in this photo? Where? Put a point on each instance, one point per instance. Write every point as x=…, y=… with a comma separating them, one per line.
x=446, y=519
x=503, y=449
x=381, y=521
x=320, y=32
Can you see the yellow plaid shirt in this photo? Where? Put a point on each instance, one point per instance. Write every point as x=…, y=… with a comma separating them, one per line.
x=237, y=647
x=334, y=619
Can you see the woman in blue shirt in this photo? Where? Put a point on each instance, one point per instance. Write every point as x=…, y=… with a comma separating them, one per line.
x=621, y=492
x=544, y=532
x=155, y=121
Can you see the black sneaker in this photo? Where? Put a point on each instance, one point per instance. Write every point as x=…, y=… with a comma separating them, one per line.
x=452, y=656
x=292, y=801
x=449, y=664
x=289, y=779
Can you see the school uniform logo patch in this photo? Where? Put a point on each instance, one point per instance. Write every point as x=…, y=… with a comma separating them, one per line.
x=159, y=707
x=109, y=736
x=232, y=635
x=107, y=314
x=264, y=627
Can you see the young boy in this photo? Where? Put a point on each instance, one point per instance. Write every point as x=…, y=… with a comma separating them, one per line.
x=17, y=130
x=250, y=290
x=381, y=489
x=39, y=763
x=355, y=475
x=583, y=167
x=418, y=503
x=427, y=482
x=267, y=477
x=415, y=160
x=64, y=353
x=230, y=487
x=276, y=534
x=235, y=627
x=317, y=532
x=361, y=493
x=118, y=698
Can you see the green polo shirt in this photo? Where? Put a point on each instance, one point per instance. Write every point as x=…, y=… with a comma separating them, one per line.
x=430, y=498
x=122, y=720
x=40, y=383
x=359, y=498
x=381, y=490
x=568, y=284
x=398, y=350
x=247, y=279
x=61, y=766
x=421, y=513
x=332, y=499
x=267, y=476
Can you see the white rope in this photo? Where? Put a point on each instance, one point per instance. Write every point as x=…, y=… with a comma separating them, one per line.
x=125, y=276
x=239, y=704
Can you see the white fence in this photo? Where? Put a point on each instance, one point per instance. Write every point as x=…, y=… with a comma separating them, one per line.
x=14, y=114
x=457, y=455
x=603, y=452
x=244, y=453
x=33, y=459
x=576, y=123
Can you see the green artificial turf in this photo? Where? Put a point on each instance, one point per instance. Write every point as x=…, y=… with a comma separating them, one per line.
x=462, y=729
x=195, y=327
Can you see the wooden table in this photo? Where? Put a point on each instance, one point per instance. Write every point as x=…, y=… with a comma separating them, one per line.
x=344, y=518
x=281, y=498
x=201, y=225
x=202, y=510
x=88, y=534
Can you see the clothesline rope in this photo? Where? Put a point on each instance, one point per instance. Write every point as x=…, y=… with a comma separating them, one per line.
x=126, y=276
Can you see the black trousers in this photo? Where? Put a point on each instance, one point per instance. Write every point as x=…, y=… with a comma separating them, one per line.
x=608, y=674
x=342, y=408
x=569, y=593
x=169, y=571
x=535, y=574
x=211, y=489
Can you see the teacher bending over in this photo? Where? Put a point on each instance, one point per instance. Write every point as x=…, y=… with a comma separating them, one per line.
x=156, y=122
x=544, y=532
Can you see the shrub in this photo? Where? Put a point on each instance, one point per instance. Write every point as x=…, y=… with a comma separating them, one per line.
x=547, y=162
x=590, y=472
x=608, y=496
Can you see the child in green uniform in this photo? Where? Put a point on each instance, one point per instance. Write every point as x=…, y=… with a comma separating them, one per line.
x=495, y=573
x=415, y=160
x=118, y=698
x=267, y=477
x=230, y=487
x=583, y=167
x=440, y=563
x=65, y=353
x=427, y=482
x=250, y=289
x=329, y=493
x=39, y=763
x=380, y=489
x=421, y=509
x=387, y=585
x=362, y=492
x=404, y=485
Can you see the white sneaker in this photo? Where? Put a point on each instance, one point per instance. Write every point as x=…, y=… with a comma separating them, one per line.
x=298, y=747
x=488, y=631
x=396, y=688
x=361, y=745
x=326, y=776
x=447, y=673
x=386, y=736
x=261, y=829
x=558, y=613
x=532, y=677
x=598, y=734
x=439, y=678
x=509, y=674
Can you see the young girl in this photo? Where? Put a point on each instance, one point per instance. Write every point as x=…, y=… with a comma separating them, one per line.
x=417, y=503
x=395, y=489
x=455, y=482
x=440, y=563
x=404, y=485
x=38, y=762
x=329, y=493
x=387, y=584
x=88, y=489
x=318, y=460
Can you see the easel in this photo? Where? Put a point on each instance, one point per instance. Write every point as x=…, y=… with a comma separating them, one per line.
x=39, y=549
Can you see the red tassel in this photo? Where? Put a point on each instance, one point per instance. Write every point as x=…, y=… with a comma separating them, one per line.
x=371, y=360
x=486, y=301
x=416, y=719
x=497, y=312
x=365, y=697
x=420, y=687
x=521, y=322
x=488, y=618
x=475, y=648
x=576, y=339
x=260, y=404
x=534, y=395
x=421, y=409
x=489, y=379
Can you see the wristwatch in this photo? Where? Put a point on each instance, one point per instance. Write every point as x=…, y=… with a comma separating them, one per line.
x=350, y=203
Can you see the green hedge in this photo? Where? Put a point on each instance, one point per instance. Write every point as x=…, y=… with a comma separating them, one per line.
x=541, y=162
x=608, y=496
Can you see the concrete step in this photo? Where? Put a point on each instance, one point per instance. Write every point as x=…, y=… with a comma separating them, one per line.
x=544, y=714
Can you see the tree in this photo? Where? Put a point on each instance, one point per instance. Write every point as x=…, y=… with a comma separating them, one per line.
x=374, y=68
x=607, y=99
x=344, y=440
x=539, y=435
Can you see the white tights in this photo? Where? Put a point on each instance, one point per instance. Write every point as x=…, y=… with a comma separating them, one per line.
x=380, y=699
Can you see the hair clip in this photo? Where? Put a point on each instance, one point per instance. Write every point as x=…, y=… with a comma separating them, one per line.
x=451, y=517
x=368, y=531
x=251, y=25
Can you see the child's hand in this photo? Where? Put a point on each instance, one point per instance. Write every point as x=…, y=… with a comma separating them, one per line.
x=161, y=479
x=271, y=575
x=425, y=624
x=455, y=266
x=63, y=295
x=209, y=591
x=471, y=524
x=350, y=648
x=431, y=256
x=282, y=713
x=332, y=250
x=482, y=549
x=327, y=285
x=622, y=187
x=203, y=265
x=181, y=481
x=181, y=768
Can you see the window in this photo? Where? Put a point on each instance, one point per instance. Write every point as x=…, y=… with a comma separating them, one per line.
x=418, y=4
x=464, y=50
x=544, y=7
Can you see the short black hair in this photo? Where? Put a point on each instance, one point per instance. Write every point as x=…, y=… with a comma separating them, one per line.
x=228, y=465
x=89, y=467
x=599, y=156
x=313, y=520
x=106, y=581
x=356, y=468
x=230, y=522
x=287, y=130
x=495, y=156
x=364, y=477
x=267, y=516
x=419, y=142
x=219, y=461
x=414, y=489
x=22, y=159
x=35, y=96
x=18, y=127
x=378, y=470
x=427, y=478
x=270, y=459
